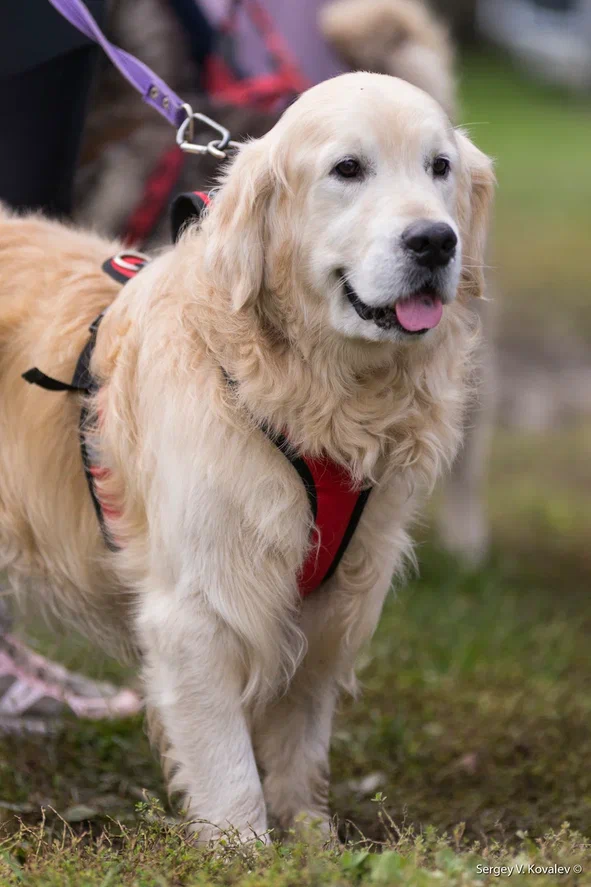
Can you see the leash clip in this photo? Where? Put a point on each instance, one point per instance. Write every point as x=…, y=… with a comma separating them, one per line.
x=217, y=148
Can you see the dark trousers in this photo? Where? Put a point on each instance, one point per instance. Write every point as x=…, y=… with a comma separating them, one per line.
x=41, y=121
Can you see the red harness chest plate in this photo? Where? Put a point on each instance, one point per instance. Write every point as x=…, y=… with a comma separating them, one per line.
x=339, y=508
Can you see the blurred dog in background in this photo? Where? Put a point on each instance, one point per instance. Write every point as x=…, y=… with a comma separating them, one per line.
x=125, y=142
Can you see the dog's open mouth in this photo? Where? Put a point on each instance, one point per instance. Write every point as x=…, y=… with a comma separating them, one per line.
x=413, y=315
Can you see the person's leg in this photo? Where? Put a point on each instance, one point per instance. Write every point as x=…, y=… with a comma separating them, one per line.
x=41, y=121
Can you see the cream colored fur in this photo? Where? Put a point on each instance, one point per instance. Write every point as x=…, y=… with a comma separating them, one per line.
x=241, y=676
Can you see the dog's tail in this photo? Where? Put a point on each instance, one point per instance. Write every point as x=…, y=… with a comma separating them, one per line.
x=397, y=37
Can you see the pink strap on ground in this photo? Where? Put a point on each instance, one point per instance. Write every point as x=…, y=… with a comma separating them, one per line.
x=28, y=689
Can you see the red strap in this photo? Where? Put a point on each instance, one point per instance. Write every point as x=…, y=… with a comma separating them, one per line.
x=263, y=91
x=336, y=503
x=155, y=198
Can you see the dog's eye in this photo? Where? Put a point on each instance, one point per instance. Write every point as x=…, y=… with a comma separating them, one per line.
x=348, y=168
x=441, y=167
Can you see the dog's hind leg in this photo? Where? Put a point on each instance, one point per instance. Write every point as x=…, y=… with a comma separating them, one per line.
x=194, y=681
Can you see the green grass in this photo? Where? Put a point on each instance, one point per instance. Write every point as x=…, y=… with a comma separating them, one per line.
x=155, y=854
x=540, y=139
x=474, y=726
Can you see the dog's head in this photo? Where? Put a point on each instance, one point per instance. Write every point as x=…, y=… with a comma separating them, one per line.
x=362, y=213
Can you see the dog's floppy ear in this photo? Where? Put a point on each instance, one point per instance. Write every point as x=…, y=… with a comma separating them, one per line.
x=235, y=253
x=476, y=192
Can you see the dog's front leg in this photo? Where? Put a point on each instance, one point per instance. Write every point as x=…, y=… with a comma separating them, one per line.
x=292, y=742
x=194, y=681
x=292, y=737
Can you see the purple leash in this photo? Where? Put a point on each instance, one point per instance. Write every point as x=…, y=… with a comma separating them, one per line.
x=154, y=91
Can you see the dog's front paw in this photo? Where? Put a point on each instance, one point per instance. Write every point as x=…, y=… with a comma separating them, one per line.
x=228, y=839
x=311, y=827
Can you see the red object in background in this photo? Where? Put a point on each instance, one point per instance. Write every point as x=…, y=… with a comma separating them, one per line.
x=263, y=91
x=224, y=83
x=155, y=199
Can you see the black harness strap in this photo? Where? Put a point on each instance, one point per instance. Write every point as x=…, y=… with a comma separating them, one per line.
x=352, y=526
x=307, y=478
x=82, y=383
x=82, y=380
x=121, y=268
x=87, y=383
x=185, y=209
x=35, y=377
x=290, y=453
x=300, y=465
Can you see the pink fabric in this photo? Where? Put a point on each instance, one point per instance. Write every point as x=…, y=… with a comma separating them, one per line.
x=28, y=689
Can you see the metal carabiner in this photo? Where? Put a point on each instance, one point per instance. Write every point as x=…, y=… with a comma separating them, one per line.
x=217, y=148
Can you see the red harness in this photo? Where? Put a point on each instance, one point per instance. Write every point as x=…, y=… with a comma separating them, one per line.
x=336, y=506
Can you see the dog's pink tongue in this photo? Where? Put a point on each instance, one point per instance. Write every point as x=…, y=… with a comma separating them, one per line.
x=420, y=312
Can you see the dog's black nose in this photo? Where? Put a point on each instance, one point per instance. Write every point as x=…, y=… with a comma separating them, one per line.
x=433, y=243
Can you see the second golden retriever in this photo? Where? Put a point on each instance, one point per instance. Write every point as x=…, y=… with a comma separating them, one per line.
x=329, y=281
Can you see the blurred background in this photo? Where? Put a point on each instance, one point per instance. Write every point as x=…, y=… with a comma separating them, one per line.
x=477, y=703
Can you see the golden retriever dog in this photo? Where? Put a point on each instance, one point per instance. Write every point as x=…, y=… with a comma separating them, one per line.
x=330, y=281
x=124, y=141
